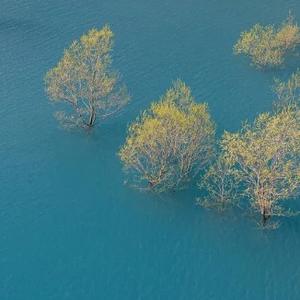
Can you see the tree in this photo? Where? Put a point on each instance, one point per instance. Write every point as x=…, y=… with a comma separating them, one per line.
x=268, y=46
x=83, y=78
x=266, y=156
x=221, y=185
x=288, y=93
x=169, y=143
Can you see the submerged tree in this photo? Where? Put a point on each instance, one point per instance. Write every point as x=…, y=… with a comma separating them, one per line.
x=266, y=157
x=83, y=78
x=170, y=142
x=220, y=184
x=288, y=93
x=268, y=46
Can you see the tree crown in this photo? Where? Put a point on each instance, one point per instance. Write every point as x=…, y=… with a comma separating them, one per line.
x=171, y=141
x=266, y=155
x=84, y=78
x=268, y=46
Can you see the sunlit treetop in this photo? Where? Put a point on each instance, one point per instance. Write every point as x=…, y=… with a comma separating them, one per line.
x=266, y=157
x=170, y=142
x=84, y=79
x=268, y=46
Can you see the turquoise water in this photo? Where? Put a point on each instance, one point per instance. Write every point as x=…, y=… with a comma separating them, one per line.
x=69, y=228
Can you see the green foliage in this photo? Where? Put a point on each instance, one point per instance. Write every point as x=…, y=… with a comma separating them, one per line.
x=288, y=93
x=266, y=156
x=83, y=79
x=170, y=142
x=268, y=46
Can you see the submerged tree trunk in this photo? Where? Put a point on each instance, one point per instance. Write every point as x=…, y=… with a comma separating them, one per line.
x=92, y=118
x=265, y=216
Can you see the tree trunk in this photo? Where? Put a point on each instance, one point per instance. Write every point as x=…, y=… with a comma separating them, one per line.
x=92, y=118
x=265, y=216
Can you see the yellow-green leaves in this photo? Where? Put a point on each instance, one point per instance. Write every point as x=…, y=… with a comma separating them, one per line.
x=179, y=94
x=267, y=46
x=288, y=93
x=170, y=142
x=266, y=159
x=98, y=39
x=83, y=78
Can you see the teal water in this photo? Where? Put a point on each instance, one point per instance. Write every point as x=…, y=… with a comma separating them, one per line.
x=69, y=228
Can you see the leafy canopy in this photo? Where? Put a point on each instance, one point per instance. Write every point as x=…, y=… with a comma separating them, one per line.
x=83, y=78
x=268, y=46
x=170, y=142
x=266, y=157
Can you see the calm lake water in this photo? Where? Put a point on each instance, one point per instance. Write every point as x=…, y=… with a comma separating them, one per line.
x=69, y=228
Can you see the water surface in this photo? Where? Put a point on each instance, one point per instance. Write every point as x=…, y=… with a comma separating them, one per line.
x=69, y=228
